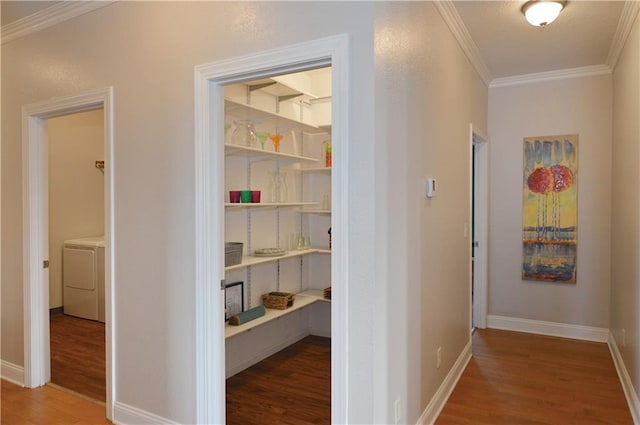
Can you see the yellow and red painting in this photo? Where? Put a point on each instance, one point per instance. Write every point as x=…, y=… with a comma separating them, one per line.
x=550, y=208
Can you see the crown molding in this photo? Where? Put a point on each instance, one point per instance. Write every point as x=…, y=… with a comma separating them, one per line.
x=50, y=16
x=454, y=22
x=562, y=74
x=625, y=25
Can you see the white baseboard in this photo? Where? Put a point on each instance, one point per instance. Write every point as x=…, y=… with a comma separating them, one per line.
x=124, y=414
x=12, y=373
x=441, y=396
x=629, y=392
x=564, y=330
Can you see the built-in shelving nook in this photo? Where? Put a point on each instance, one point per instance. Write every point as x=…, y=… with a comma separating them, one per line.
x=293, y=212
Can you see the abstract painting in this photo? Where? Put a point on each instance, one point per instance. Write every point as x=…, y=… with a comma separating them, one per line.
x=550, y=208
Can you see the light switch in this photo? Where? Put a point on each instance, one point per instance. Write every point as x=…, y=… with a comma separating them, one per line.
x=431, y=187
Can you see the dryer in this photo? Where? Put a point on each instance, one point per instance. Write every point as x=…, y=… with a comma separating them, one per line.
x=83, y=278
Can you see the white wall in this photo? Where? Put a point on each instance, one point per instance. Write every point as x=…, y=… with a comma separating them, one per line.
x=625, y=235
x=147, y=52
x=76, y=186
x=427, y=94
x=572, y=106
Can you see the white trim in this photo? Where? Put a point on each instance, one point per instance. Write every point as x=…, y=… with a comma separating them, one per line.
x=480, y=274
x=564, y=330
x=48, y=17
x=625, y=25
x=125, y=414
x=35, y=249
x=627, y=385
x=209, y=207
x=441, y=396
x=562, y=74
x=12, y=373
x=457, y=27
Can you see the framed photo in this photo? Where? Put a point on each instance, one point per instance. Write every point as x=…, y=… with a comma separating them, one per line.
x=234, y=299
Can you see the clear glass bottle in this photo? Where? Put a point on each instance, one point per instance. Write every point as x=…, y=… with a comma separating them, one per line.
x=284, y=188
x=274, y=187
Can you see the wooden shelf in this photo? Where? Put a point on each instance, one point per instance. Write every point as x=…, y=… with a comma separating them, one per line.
x=248, y=260
x=257, y=154
x=268, y=204
x=303, y=299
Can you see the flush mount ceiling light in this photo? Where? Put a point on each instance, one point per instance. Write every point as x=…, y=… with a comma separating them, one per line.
x=541, y=12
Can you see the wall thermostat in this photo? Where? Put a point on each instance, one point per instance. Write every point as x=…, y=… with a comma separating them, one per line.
x=431, y=188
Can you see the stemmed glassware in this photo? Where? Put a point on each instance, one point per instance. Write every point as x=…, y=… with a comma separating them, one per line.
x=262, y=138
x=275, y=139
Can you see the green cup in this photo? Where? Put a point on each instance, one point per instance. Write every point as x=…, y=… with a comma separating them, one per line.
x=245, y=196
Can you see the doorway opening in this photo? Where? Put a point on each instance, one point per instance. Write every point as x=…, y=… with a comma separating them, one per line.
x=479, y=228
x=213, y=201
x=278, y=167
x=36, y=204
x=75, y=146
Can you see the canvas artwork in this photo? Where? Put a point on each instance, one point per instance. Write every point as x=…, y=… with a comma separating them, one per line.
x=550, y=208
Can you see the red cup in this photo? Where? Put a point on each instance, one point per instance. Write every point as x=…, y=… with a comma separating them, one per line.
x=255, y=196
x=234, y=196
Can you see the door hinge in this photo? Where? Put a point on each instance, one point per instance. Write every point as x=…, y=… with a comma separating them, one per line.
x=223, y=284
x=45, y=264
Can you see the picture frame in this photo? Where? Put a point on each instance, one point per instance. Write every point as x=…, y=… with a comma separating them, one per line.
x=233, y=299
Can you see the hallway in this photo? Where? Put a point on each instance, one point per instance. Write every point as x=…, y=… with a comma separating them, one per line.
x=518, y=378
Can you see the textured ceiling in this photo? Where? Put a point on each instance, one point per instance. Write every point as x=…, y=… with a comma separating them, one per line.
x=509, y=46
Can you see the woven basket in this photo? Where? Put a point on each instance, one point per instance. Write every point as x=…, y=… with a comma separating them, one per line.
x=278, y=300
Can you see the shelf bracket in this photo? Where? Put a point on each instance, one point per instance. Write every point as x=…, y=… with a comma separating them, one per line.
x=254, y=87
x=288, y=97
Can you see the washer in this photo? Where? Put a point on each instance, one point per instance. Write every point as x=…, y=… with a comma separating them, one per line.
x=83, y=278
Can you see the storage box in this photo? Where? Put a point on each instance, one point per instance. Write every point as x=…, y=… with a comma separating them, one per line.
x=278, y=300
x=232, y=253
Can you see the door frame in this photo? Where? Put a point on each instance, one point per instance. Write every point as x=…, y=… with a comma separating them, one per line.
x=209, y=207
x=479, y=185
x=37, y=356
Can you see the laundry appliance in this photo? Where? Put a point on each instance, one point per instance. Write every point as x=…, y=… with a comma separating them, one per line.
x=83, y=278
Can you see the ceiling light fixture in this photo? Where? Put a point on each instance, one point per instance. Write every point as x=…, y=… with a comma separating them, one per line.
x=542, y=12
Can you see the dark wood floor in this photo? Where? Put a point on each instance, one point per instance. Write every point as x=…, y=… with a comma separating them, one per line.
x=292, y=387
x=517, y=378
x=78, y=355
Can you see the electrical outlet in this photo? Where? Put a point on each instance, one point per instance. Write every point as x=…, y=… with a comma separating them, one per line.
x=398, y=410
x=624, y=337
x=439, y=357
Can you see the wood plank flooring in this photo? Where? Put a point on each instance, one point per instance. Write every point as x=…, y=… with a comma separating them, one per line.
x=47, y=406
x=292, y=387
x=78, y=355
x=517, y=378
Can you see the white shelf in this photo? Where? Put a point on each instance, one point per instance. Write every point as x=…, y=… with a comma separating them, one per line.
x=302, y=300
x=319, y=170
x=248, y=260
x=257, y=154
x=259, y=115
x=268, y=204
x=320, y=212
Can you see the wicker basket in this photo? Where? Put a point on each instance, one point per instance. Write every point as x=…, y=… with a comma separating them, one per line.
x=278, y=300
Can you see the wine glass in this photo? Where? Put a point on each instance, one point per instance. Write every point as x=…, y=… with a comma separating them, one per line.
x=275, y=139
x=262, y=138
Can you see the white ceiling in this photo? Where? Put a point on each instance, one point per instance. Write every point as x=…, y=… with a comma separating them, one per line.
x=17, y=9
x=581, y=36
x=509, y=46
